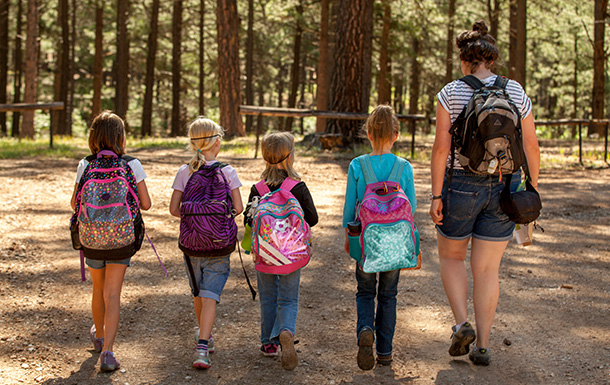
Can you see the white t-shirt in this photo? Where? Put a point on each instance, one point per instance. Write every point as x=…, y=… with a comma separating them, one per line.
x=135, y=165
x=184, y=174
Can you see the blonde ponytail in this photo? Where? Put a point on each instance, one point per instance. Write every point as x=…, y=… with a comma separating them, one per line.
x=204, y=134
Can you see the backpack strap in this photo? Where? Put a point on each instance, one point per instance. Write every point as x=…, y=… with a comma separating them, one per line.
x=367, y=170
x=262, y=188
x=501, y=82
x=107, y=152
x=288, y=184
x=473, y=82
x=397, y=169
x=213, y=165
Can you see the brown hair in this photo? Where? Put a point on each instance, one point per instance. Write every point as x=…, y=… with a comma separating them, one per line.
x=476, y=46
x=276, y=148
x=107, y=133
x=382, y=125
x=209, y=132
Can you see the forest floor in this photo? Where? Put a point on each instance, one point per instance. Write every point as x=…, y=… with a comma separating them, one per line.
x=552, y=324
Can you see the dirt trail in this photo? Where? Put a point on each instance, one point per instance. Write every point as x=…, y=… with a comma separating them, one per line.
x=552, y=324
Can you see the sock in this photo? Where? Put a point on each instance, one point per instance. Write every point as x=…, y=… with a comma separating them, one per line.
x=202, y=345
x=457, y=327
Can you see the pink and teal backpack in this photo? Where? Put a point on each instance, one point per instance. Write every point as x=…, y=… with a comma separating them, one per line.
x=281, y=239
x=389, y=238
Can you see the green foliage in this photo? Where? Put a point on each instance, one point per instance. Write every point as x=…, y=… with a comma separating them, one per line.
x=11, y=148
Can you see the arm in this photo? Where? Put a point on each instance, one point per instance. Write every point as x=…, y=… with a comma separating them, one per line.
x=309, y=209
x=145, y=202
x=73, y=200
x=349, y=206
x=440, y=152
x=237, y=203
x=174, y=203
x=531, y=148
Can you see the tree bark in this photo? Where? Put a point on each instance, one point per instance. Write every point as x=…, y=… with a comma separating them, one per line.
x=227, y=24
x=62, y=70
x=383, y=82
x=296, y=62
x=98, y=61
x=518, y=41
x=149, y=82
x=4, y=9
x=121, y=101
x=176, y=67
x=18, y=58
x=599, y=67
x=250, y=63
x=367, y=21
x=31, y=69
x=72, y=68
x=350, y=56
x=493, y=14
x=201, y=57
x=450, y=42
x=322, y=86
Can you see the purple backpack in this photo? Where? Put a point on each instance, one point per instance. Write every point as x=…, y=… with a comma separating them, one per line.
x=207, y=224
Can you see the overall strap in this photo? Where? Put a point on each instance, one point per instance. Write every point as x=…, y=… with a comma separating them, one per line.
x=288, y=184
x=473, y=82
x=397, y=169
x=262, y=188
x=367, y=170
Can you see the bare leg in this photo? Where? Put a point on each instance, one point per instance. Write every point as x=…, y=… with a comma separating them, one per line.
x=206, y=317
x=98, y=308
x=485, y=257
x=451, y=255
x=197, y=301
x=112, y=299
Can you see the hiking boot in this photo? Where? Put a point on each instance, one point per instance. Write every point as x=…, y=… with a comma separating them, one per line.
x=289, y=357
x=461, y=340
x=366, y=359
x=384, y=360
x=479, y=356
x=108, y=362
x=210, y=341
x=202, y=359
x=269, y=350
x=98, y=343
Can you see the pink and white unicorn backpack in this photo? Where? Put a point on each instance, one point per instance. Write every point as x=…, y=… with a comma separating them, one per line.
x=280, y=236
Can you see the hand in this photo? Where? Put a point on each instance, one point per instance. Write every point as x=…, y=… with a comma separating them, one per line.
x=436, y=211
x=346, y=246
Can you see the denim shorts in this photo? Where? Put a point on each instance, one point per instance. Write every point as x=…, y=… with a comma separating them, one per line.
x=210, y=276
x=99, y=264
x=471, y=207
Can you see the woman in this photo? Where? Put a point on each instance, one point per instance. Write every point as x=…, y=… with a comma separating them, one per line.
x=485, y=224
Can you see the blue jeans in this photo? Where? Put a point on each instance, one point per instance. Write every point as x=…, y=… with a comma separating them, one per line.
x=384, y=321
x=279, y=298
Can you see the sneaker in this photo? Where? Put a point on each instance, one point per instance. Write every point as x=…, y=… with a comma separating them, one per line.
x=366, y=359
x=210, y=341
x=108, y=362
x=384, y=360
x=290, y=360
x=202, y=359
x=98, y=343
x=269, y=350
x=479, y=356
x=461, y=340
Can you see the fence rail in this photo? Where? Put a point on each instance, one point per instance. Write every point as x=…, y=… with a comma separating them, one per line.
x=20, y=107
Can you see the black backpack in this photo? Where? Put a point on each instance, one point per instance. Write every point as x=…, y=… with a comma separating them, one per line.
x=487, y=134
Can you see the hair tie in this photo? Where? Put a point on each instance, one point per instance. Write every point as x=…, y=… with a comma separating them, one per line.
x=198, y=151
x=206, y=137
x=283, y=159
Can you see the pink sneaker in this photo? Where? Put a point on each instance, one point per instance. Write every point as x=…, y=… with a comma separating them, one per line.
x=269, y=350
x=98, y=343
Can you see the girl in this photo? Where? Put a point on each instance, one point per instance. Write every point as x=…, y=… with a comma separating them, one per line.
x=279, y=294
x=108, y=133
x=209, y=275
x=486, y=224
x=382, y=129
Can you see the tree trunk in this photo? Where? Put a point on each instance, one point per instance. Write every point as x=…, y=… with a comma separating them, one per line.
x=383, y=82
x=347, y=79
x=176, y=67
x=18, y=56
x=4, y=7
x=227, y=23
x=62, y=70
x=121, y=101
x=201, y=57
x=72, y=68
x=98, y=61
x=296, y=62
x=250, y=64
x=450, y=42
x=518, y=41
x=149, y=82
x=493, y=14
x=323, y=83
x=31, y=68
x=599, y=64
x=399, y=80
x=367, y=21
x=415, y=80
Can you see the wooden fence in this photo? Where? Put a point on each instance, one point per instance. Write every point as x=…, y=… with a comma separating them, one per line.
x=20, y=107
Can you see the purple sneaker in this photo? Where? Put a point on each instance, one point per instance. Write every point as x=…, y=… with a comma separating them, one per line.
x=109, y=362
x=269, y=350
x=98, y=343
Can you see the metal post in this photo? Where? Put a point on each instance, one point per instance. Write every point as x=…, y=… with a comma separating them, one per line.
x=580, y=143
x=412, y=121
x=606, y=143
x=50, y=132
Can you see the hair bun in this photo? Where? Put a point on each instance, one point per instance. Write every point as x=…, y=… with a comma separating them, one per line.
x=480, y=27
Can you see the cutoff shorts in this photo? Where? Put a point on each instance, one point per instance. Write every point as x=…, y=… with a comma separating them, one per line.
x=471, y=207
x=99, y=264
x=211, y=275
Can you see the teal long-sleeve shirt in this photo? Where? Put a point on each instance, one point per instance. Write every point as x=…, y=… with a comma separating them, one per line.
x=382, y=166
